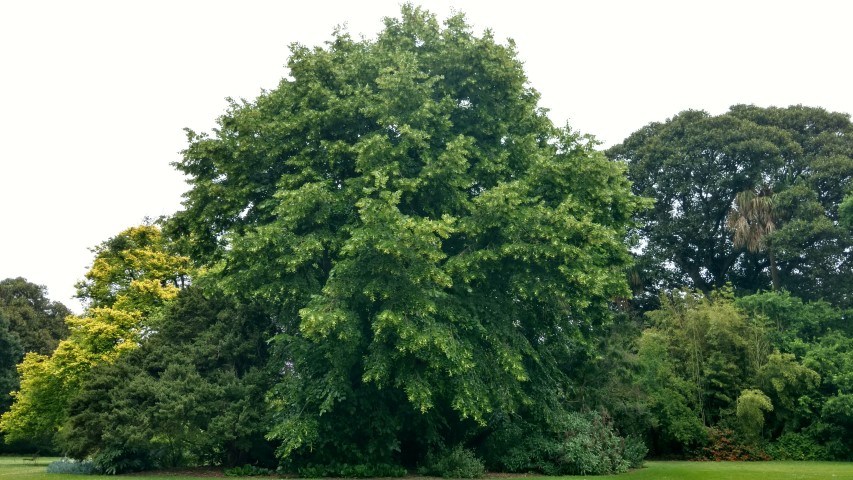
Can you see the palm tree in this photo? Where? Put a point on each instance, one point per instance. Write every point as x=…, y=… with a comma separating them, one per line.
x=752, y=218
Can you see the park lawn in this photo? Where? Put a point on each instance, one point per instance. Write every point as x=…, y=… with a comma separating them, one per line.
x=15, y=468
x=736, y=471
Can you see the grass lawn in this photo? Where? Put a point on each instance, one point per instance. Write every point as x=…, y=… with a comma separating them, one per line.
x=738, y=471
x=14, y=468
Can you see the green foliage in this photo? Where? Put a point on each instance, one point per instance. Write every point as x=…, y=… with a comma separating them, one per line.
x=433, y=249
x=751, y=406
x=29, y=322
x=10, y=355
x=795, y=163
x=115, y=323
x=716, y=362
x=360, y=470
x=695, y=357
x=37, y=321
x=193, y=393
x=845, y=212
x=793, y=321
x=790, y=384
x=797, y=446
x=456, y=462
x=573, y=444
x=248, y=471
x=671, y=397
x=635, y=451
x=69, y=466
x=117, y=459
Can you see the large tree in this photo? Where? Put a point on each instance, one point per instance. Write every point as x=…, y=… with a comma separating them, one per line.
x=193, y=393
x=434, y=251
x=29, y=322
x=132, y=277
x=38, y=322
x=778, y=174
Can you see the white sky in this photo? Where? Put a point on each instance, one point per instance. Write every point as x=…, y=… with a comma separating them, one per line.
x=95, y=93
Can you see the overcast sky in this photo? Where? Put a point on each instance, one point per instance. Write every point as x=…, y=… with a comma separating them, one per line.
x=95, y=94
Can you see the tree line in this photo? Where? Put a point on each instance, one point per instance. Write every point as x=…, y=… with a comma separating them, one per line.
x=394, y=261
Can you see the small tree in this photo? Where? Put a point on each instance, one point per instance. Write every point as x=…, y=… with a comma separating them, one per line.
x=751, y=406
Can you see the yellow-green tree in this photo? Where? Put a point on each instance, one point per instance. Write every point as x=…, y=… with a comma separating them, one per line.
x=132, y=277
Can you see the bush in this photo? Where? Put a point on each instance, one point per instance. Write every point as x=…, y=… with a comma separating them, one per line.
x=723, y=445
x=454, y=463
x=797, y=446
x=67, y=465
x=343, y=470
x=114, y=461
x=575, y=444
x=247, y=471
x=635, y=451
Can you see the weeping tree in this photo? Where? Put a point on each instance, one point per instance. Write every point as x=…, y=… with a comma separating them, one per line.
x=435, y=253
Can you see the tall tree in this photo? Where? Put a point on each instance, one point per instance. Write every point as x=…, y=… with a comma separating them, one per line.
x=145, y=276
x=29, y=322
x=38, y=322
x=434, y=250
x=695, y=165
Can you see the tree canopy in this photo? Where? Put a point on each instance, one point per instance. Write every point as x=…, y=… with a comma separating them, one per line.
x=394, y=261
x=131, y=279
x=794, y=165
x=38, y=322
x=433, y=249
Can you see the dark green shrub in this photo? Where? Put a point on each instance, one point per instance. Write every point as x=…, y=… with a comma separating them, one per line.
x=575, y=444
x=361, y=470
x=634, y=451
x=457, y=462
x=797, y=446
x=114, y=460
x=67, y=465
x=247, y=471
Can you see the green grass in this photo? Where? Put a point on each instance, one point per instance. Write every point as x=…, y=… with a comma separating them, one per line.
x=737, y=471
x=15, y=468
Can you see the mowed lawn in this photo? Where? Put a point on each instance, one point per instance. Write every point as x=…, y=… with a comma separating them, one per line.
x=14, y=468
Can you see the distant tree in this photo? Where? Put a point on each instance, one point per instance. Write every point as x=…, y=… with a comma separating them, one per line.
x=38, y=322
x=797, y=159
x=29, y=322
x=434, y=250
x=115, y=322
x=10, y=355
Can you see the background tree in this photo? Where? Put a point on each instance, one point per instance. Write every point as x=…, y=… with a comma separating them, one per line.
x=766, y=367
x=695, y=165
x=115, y=322
x=10, y=355
x=192, y=394
x=38, y=322
x=29, y=322
x=434, y=251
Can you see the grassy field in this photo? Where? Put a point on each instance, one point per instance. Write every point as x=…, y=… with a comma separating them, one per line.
x=14, y=468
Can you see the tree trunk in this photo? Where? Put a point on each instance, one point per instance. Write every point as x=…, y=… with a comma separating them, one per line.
x=774, y=271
